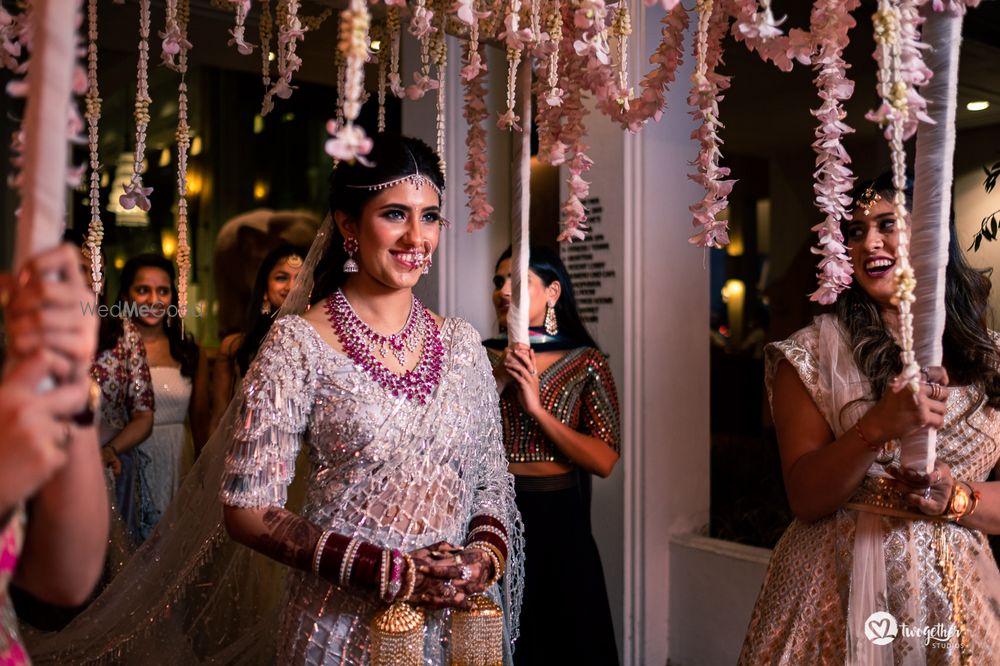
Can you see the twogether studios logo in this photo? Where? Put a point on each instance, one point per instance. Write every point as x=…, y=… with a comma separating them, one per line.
x=881, y=628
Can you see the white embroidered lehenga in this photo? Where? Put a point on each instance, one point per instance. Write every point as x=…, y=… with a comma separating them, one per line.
x=386, y=469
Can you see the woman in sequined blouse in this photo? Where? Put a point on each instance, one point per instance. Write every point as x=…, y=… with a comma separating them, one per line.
x=881, y=565
x=560, y=418
x=408, y=497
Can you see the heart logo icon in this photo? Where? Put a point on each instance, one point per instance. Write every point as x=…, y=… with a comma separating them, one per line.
x=880, y=628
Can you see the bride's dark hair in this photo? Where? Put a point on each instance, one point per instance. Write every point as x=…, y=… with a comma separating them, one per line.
x=970, y=353
x=391, y=157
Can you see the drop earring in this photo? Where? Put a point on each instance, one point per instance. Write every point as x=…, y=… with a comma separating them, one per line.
x=265, y=308
x=551, y=325
x=350, y=247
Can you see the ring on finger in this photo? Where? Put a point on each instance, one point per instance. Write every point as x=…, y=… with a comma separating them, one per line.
x=927, y=493
x=458, y=559
x=465, y=573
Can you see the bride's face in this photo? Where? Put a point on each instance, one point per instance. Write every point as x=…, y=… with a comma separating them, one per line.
x=398, y=232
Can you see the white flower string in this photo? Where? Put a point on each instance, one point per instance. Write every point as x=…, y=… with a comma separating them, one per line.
x=134, y=192
x=831, y=21
x=514, y=39
x=290, y=34
x=95, y=231
x=379, y=34
x=705, y=96
x=173, y=37
x=892, y=87
x=349, y=141
x=422, y=27
x=439, y=52
x=393, y=24
x=238, y=31
x=621, y=29
x=183, y=137
x=554, y=94
x=265, y=28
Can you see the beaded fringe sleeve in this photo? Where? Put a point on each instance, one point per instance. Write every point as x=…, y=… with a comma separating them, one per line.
x=279, y=390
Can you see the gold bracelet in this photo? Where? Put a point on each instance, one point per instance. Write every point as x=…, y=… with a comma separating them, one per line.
x=499, y=565
x=411, y=579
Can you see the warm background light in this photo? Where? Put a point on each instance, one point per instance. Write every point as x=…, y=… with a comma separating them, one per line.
x=194, y=183
x=978, y=105
x=168, y=242
x=260, y=190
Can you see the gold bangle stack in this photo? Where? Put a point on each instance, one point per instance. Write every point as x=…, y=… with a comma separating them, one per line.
x=411, y=579
x=496, y=557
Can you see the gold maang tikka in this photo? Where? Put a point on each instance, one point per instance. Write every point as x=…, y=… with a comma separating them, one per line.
x=868, y=199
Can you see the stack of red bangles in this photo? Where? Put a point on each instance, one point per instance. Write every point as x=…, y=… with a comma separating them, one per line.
x=489, y=534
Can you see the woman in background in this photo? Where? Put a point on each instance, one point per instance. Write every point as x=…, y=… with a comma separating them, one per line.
x=559, y=409
x=148, y=286
x=275, y=279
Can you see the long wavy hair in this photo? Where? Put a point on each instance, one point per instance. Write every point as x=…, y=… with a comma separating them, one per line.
x=549, y=267
x=182, y=347
x=256, y=324
x=392, y=157
x=970, y=355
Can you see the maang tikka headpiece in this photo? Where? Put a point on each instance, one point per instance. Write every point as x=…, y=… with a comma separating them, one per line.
x=416, y=178
x=868, y=199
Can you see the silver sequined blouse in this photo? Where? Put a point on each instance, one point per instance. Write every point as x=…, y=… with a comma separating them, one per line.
x=391, y=471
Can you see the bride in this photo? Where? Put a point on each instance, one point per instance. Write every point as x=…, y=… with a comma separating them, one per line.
x=407, y=497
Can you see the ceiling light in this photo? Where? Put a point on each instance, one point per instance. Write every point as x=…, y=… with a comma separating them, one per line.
x=979, y=105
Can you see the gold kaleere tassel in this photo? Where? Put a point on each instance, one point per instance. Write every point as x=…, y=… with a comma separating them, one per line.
x=477, y=634
x=397, y=636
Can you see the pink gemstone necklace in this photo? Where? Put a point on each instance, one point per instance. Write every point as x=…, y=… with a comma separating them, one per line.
x=361, y=344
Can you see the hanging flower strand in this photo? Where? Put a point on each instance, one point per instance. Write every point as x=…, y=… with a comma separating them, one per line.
x=468, y=12
x=892, y=87
x=476, y=169
x=238, y=31
x=173, y=37
x=439, y=53
x=290, y=34
x=422, y=27
x=554, y=95
x=831, y=22
x=621, y=29
x=705, y=96
x=392, y=23
x=349, y=142
x=135, y=194
x=95, y=231
x=515, y=39
x=183, y=137
x=265, y=27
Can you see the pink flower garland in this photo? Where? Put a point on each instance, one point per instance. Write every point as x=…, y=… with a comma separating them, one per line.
x=174, y=39
x=290, y=34
x=476, y=169
x=705, y=96
x=831, y=21
x=633, y=113
x=238, y=31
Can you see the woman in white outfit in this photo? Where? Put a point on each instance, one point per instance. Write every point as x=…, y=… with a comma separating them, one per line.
x=148, y=289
